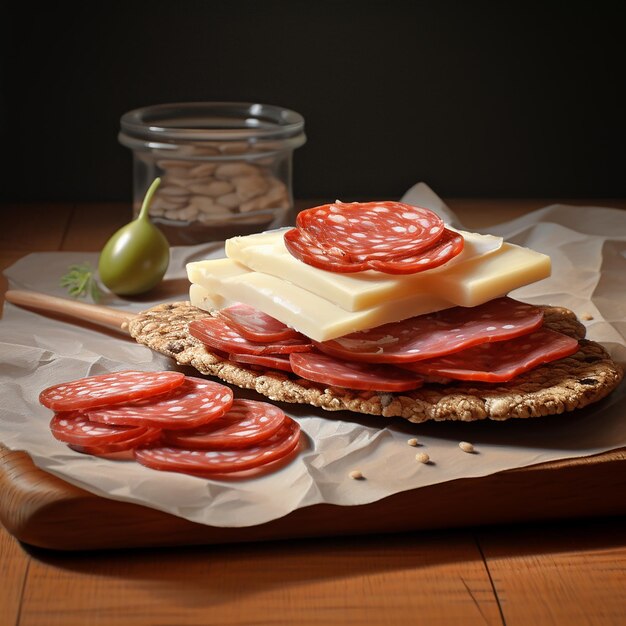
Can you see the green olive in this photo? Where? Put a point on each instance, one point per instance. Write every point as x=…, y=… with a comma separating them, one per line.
x=136, y=257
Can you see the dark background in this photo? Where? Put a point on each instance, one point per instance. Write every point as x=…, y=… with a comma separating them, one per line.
x=515, y=99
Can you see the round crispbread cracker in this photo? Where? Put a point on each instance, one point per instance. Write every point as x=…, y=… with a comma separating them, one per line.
x=563, y=385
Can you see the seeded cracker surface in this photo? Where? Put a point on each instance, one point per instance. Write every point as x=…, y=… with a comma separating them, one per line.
x=560, y=386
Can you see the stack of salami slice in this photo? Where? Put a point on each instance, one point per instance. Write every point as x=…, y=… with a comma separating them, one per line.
x=494, y=342
x=170, y=422
x=388, y=237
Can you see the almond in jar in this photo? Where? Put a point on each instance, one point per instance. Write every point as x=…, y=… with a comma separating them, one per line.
x=226, y=167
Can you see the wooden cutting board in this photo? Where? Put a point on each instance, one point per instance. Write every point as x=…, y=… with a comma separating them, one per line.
x=42, y=510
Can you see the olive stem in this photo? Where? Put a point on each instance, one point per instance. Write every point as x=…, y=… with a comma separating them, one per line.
x=143, y=213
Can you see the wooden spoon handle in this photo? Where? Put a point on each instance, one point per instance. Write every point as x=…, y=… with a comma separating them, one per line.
x=101, y=315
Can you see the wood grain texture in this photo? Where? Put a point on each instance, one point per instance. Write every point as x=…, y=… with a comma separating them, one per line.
x=483, y=212
x=42, y=510
x=92, y=224
x=30, y=227
x=439, y=578
x=559, y=574
x=13, y=572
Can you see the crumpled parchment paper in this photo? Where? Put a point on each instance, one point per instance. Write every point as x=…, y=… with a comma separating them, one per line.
x=588, y=250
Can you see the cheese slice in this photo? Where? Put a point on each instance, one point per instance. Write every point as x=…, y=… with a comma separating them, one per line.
x=224, y=280
x=492, y=275
x=206, y=300
x=215, y=283
x=266, y=252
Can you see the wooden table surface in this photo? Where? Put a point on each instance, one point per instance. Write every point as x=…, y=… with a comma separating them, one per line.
x=559, y=573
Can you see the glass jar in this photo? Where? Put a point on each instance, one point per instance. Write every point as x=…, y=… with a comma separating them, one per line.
x=225, y=166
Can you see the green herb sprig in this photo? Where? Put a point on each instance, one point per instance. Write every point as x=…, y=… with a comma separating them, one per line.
x=80, y=282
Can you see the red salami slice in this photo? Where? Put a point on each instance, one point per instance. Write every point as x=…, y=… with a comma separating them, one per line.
x=77, y=429
x=204, y=462
x=273, y=361
x=436, y=334
x=247, y=423
x=195, y=402
x=107, y=389
x=255, y=325
x=328, y=370
x=447, y=247
x=323, y=248
x=501, y=361
x=215, y=333
x=371, y=229
x=310, y=252
x=151, y=435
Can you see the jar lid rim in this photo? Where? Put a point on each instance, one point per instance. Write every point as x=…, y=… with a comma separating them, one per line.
x=223, y=121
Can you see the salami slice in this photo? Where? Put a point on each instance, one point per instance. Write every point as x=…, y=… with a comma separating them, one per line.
x=334, y=372
x=215, y=333
x=247, y=423
x=195, y=402
x=436, y=334
x=337, y=238
x=447, y=247
x=372, y=229
x=305, y=249
x=76, y=428
x=193, y=461
x=501, y=361
x=273, y=361
x=107, y=389
x=151, y=435
x=255, y=325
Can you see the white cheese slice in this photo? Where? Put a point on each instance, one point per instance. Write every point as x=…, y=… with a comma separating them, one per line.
x=206, y=300
x=470, y=284
x=492, y=275
x=307, y=312
x=266, y=252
